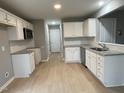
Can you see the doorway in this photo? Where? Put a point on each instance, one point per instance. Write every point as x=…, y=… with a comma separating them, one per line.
x=55, y=38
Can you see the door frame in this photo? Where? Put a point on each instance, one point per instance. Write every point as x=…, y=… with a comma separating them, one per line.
x=60, y=40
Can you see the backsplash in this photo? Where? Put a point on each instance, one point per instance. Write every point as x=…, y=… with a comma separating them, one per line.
x=16, y=46
x=79, y=41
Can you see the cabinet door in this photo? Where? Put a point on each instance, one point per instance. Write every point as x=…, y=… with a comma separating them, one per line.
x=72, y=54
x=85, y=27
x=11, y=20
x=78, y=29
x=68, y=54
x=90, y=27
x=69, y=29
x=88, y=59
x=32, y=61
x=39, y=55
x=76, y=54
x=100, y=68
x=25, y=24
x=20, y=34
x=3, y=17
x=73, y=29
x=93, y=63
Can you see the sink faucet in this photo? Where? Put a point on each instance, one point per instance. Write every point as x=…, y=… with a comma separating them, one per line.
x=103, y=46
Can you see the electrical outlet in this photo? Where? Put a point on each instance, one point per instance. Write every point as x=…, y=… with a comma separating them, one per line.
x=3, y=48
x=6, y=74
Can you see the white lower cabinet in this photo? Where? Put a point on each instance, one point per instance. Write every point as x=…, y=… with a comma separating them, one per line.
x=23, y=64
x=37, y=54
x=91, y=61
x=72, y=55
x=108, y=69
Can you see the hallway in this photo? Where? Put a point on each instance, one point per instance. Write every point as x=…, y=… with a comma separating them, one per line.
x=57, y=77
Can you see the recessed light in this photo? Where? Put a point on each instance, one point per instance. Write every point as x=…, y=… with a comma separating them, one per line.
x=53, y=23
x=101, y=3
x=57, y=6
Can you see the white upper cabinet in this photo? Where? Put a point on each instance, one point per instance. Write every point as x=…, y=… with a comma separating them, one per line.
x=3, y=17
x=27, y=25
x=15, y=25
x=7, y=19
x=11, y=20
x=90, y=27
x=16, y=33
x=20, y=34
x=80, y=29
x=30, y=26
x=73, y=29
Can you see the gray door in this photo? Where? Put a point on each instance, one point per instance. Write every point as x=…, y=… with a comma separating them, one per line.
x=55, y=41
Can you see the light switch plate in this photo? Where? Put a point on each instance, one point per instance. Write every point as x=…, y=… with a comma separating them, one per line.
x=3, y=48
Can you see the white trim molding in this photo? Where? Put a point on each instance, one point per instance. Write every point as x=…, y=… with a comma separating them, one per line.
x=6, y=84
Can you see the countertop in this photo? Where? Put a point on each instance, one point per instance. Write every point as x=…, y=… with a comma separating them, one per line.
x=83, y=46
x=106, y=53
x=25, y=51
x=33, y=47
x=102, y=53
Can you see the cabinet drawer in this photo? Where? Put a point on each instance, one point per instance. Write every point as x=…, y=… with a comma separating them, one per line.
x=100, y=77
x=100, y=58
x=100, y=61
x=93, y=55
x=100, y=69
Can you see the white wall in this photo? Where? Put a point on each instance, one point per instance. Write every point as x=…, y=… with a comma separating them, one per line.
x=5, y=58
x=40, y=37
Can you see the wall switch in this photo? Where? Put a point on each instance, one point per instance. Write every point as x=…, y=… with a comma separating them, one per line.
x=3, y=48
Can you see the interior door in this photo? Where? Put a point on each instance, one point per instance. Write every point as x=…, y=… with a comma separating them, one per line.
x=55, y=40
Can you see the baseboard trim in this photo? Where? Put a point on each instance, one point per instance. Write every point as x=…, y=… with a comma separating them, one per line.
x=6, y=84
x=45, y=60
x=78, y=61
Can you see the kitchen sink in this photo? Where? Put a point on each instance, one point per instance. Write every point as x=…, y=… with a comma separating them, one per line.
x=99, y=49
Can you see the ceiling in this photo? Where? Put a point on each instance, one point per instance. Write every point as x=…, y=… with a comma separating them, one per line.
x=43, y=9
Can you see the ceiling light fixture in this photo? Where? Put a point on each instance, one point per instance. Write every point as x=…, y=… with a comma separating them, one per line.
x=101, y=3
x=57, y=6
x=53, y=23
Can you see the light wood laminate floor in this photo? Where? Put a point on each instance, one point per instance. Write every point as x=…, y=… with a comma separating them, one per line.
x=57, y=77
